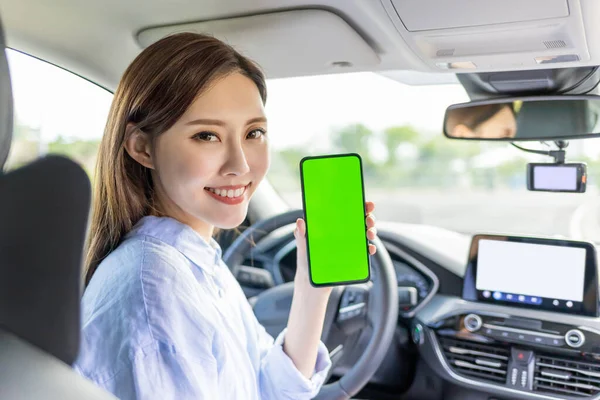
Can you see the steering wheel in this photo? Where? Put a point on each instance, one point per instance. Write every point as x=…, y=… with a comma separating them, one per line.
x=350, y=309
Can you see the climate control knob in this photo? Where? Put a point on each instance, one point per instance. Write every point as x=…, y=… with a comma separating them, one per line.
x=575, y=338
x=473, y=322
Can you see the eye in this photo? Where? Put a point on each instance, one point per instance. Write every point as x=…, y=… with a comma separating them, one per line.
x=206, y=137
x=256, y=133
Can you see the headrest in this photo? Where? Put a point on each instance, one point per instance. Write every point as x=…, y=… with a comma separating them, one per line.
x=44, y=208
x=6, y=104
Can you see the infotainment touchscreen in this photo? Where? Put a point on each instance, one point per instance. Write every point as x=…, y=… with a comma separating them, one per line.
x=554, y=275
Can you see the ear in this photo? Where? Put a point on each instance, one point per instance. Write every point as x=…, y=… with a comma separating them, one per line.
x=138, y=146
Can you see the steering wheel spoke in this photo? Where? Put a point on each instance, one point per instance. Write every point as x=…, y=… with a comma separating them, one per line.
x=352, y=311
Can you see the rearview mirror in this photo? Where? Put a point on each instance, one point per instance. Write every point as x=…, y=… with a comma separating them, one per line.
x=525, y=119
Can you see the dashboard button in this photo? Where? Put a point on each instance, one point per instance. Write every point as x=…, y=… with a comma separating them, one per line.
x=502, y=334
x=524, y=378
x=574, y=338
x=556, y=342
x=539, y=339
x=524, y=337
x=499, y=333
x=505, y=335
x=513, y=376
x=417, y=334
x=521, y=357
x=472, y=322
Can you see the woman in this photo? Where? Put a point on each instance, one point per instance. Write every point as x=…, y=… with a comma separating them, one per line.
x=184, y=149
x=488, y=121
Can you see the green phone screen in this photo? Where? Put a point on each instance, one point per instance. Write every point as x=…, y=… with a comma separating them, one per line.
x=334, y=210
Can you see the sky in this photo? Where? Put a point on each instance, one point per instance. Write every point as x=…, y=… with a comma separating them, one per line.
x=299, y=110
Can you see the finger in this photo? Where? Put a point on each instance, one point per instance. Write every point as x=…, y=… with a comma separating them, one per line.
x=371, y=233
x=370, y=221
x=370, y=206
x=300, y=230
x=372, y=249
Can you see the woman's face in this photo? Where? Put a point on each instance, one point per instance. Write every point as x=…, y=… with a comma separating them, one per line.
x=501, y=125
x=208, y=165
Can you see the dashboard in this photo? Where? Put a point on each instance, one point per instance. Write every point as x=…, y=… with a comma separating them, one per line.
x=451, y=330
x=409, y=277
x=416, y=282
x=526, y=325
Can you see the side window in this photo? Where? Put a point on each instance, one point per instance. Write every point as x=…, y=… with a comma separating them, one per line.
x=55, y=111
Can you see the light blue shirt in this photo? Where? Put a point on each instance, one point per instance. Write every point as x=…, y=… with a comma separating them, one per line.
x=164, y=318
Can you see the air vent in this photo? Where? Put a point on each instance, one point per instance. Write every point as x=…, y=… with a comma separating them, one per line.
x=445, y=53
x=482, y=361
x=555, y=44
x=566, y=376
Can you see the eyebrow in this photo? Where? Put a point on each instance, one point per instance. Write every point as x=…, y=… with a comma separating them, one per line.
x=217, y=122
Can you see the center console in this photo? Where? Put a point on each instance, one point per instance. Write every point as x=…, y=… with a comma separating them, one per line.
x=526, y=327
x=532, y=332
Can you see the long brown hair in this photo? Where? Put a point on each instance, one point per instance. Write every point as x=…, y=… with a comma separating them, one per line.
x=154, y=92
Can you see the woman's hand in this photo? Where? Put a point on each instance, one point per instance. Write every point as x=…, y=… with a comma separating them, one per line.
x=309, y=304
x=302, y=276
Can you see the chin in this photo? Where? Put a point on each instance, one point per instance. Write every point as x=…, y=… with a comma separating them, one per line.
x=231, y=221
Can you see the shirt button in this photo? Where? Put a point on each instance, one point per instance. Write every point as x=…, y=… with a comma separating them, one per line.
x=220, y=292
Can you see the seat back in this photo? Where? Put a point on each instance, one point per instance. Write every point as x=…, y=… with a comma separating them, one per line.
x=44, y=210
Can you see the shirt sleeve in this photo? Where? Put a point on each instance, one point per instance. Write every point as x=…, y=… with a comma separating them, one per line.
x=164, y=373
x=279, y=378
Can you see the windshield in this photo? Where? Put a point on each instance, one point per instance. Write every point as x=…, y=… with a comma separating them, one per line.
x=412, y=172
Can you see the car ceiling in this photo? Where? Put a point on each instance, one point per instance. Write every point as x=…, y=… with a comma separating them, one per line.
x=98, y=39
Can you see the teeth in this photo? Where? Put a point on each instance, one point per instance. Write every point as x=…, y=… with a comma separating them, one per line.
x=228, y=193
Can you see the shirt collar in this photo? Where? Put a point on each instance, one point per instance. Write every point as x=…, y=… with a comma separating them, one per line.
x=205, y=255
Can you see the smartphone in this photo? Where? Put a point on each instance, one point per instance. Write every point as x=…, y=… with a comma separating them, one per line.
x=333, y=198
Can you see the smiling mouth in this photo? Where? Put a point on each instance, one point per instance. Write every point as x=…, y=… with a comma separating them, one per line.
x=231, y=192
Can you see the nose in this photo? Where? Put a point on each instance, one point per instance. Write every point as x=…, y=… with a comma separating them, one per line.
x=236, y=163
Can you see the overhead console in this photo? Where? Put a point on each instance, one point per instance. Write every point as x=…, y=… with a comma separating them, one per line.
x=474, y=36
x=284, y=43
x=527, y=326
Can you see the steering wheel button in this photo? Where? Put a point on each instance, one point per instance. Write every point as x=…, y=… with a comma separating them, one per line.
x=417, y=334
